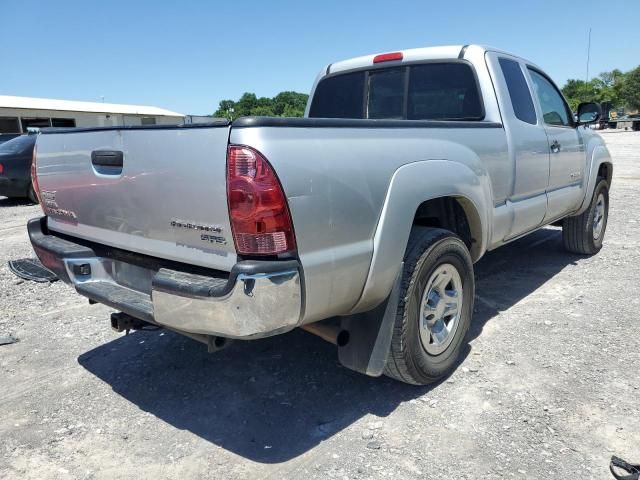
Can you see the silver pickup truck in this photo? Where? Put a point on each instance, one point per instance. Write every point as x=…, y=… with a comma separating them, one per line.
x=360, y=222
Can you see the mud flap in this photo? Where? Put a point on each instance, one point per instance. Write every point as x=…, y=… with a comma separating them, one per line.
x=370, y=335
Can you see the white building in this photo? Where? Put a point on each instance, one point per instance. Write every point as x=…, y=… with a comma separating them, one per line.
x=19, y=113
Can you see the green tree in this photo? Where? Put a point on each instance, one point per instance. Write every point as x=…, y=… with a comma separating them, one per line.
x=226, y=109
x=262, y=111
x=292, y=111
x=285, y=104
x=606, y=87
x=247, y=102
x=577, y=91
x=630, y=89
x=612, y=78
x=296, y=102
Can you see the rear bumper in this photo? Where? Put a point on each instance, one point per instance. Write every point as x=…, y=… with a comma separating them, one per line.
x=256, y=299
x=11, y=187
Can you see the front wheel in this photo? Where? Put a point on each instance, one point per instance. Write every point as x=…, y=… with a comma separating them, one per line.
x=435, y=307
x=584, y=233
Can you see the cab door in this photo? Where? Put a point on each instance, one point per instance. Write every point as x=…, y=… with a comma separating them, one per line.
x=566, y=148
x=526, y=204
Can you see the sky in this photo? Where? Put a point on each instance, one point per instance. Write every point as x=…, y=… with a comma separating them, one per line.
x=186, y=56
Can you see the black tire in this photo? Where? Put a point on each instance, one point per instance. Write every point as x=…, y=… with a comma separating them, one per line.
x=32, y=194
x=428, y=250
x=578, y=233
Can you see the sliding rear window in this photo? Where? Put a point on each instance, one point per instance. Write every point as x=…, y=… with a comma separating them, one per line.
x=432, y=91
x=385, y=93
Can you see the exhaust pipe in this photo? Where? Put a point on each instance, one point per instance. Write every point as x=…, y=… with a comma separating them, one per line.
x=329, y=333
x=123, y=322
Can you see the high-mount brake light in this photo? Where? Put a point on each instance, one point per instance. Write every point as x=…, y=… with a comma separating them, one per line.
x=387, y=57
x=260, y=218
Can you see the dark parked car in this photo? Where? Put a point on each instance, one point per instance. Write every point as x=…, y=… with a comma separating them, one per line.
x=5, y=137
x=15, y=167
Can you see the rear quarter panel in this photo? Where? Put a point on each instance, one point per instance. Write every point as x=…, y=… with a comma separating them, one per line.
x=337, y=182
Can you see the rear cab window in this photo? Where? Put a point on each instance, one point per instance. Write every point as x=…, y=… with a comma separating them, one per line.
x=341, y=96
x=429, y=91
x=444, y=91
x=385, y=93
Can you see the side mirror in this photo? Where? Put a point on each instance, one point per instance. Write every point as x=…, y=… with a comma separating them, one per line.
x=588, y=113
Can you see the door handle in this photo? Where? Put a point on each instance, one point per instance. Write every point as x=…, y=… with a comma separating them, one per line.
x=107, y=158
x=555, y=147
x=107, y=162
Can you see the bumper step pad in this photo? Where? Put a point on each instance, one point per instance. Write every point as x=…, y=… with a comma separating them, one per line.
x=136, y=304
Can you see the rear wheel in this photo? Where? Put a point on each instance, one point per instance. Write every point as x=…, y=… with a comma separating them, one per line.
x=584, y=233
x=32, y=194
x=435, y=308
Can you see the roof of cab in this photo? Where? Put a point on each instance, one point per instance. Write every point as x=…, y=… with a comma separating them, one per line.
x=412, y=54
x=445, y=52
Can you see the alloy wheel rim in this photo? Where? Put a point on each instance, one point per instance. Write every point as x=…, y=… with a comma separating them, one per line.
x=598, y=217
x=440, y=309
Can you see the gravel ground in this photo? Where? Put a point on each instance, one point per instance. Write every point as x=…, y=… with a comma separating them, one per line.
x=549, y=387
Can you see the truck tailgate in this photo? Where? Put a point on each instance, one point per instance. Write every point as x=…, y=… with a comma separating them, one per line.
x=156, y=191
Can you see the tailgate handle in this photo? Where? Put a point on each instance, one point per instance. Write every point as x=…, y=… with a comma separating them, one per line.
x=107, y=158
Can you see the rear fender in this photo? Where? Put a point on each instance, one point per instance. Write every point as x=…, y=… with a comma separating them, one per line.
x=411, y=185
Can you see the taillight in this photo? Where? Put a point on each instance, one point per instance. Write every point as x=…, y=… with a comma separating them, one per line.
x=1, y=169
x=34, y=175
x=258, y=209
x=387, y=57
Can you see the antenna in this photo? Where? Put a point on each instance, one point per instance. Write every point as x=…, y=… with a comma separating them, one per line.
x=588, y=54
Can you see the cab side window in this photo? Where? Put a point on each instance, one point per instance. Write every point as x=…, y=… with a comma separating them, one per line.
x=521, y=99
x=554, y=109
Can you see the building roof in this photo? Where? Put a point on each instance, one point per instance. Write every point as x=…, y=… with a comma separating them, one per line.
x=30, y=103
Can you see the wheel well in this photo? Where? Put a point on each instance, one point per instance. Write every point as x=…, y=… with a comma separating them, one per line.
x=456, y=214
x=606, y=171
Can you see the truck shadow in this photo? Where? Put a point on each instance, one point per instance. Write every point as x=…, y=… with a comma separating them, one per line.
x=507, y=275
x=274, y=399
x=268, y=400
